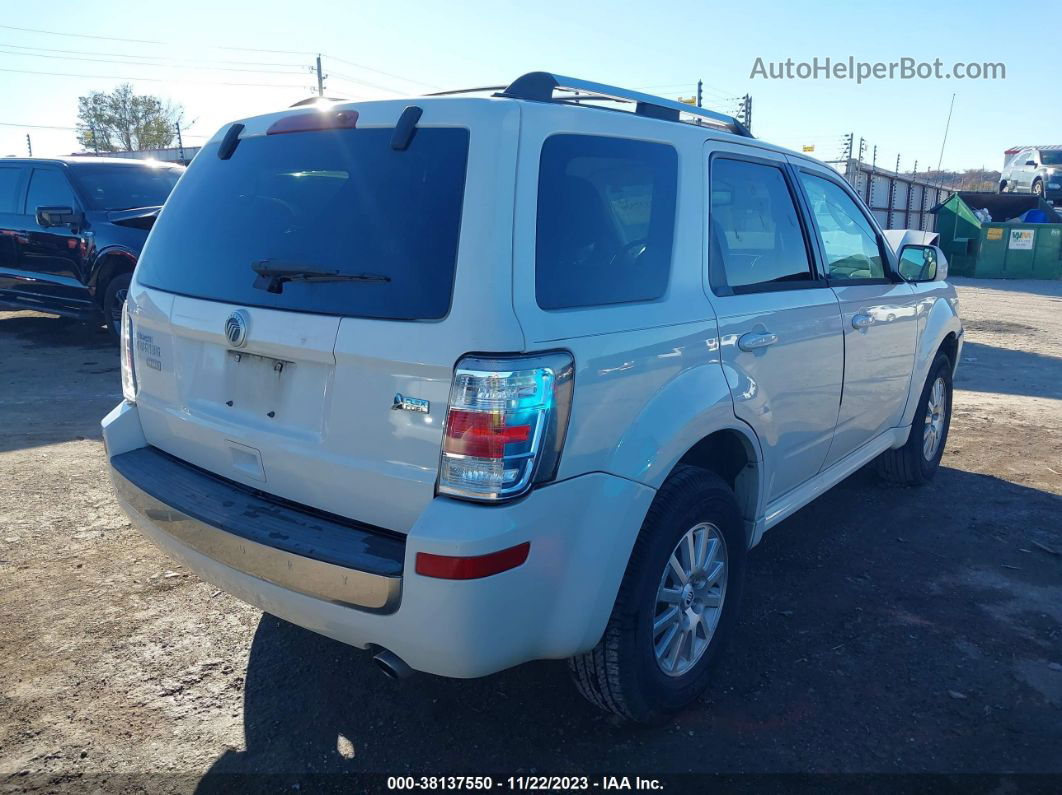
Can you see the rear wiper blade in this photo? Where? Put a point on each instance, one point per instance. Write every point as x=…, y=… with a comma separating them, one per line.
x=272, y=275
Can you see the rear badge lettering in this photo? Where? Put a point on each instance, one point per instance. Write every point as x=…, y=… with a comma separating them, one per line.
x=404, y=403
x=150, y=353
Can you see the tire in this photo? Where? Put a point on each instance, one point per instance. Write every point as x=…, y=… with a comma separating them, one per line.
x=622, y=673
x=113, y=301
x=910, y=465
x=1038, y=188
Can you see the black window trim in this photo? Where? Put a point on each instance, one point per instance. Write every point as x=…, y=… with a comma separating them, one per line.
x=28, y=182
x=674, y=231
x=891, y=276
x=815, y=282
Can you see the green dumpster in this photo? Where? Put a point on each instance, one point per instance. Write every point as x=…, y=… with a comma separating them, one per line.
x=1000, y=248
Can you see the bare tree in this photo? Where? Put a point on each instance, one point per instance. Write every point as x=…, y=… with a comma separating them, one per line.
x=122, y=121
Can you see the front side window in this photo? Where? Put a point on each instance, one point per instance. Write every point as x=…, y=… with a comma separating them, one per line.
x=847, y=237
x=1052, y=158
x=606, y=221
x=48, y=188
x=756, y=239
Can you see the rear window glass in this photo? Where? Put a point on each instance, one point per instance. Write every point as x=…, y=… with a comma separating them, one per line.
x=332, y=200
x=123, y=187
x=606, y=221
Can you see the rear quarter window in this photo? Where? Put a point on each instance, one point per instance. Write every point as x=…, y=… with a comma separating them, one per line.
x=606, y=221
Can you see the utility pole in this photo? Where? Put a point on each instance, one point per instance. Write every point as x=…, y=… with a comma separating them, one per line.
x=700, y=85
x=29, y=145
x=180, y=143
x=320, y=77
x=746, y=111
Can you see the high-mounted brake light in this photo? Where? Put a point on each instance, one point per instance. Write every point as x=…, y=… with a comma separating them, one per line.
x=128, y=367
x=315, y=120
x=505, y=425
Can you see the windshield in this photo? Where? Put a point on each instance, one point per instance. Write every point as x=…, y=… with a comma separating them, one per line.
x=341, y=201
x=1050, y=158
x=107, y=187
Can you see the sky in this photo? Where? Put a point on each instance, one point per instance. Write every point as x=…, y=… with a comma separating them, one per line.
x=228, y=60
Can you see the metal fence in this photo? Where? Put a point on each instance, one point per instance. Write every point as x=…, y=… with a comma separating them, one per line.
x=898, y=201
x=172, y=154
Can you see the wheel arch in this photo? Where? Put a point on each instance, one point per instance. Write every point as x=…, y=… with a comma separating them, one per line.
x=941, y=330
x=109, y=263
x=734, y=455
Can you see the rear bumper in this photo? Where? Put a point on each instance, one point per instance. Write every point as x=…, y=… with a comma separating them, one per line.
x=555, y=605
x=313, y=555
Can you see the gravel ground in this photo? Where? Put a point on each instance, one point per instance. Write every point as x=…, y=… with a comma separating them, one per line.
x=884, y=629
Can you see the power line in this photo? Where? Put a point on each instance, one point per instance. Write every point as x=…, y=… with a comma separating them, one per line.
x=35, y=126
x=147, y=57
x=151, y=79
x=347, y=78
x=80, y=35
x=147, y=63
x=222, y=47
x=381, y=72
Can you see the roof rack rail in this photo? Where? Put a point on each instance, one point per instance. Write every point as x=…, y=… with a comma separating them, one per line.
x=539, y=86
x=464, y=91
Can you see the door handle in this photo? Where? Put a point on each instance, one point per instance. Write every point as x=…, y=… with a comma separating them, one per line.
x=861, y=320
x=755, y=340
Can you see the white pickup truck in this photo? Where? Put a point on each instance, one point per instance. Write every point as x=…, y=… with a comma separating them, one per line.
x=469, y=381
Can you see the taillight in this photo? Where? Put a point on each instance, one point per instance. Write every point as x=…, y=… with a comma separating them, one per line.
x=505, y=425
x=128, y=368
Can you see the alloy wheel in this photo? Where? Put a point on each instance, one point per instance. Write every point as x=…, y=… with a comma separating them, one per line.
x=936, y=410
x=689, y=601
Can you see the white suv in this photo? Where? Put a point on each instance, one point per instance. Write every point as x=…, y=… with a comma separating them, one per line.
x=472, y=381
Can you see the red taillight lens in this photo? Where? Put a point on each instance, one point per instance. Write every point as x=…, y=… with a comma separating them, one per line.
x=448, y=567
x=505, y=425
x=315, y=120
x=481, y=433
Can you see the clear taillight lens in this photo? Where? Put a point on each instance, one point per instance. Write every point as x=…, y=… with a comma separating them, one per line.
x=505, y=425
x=128, y=370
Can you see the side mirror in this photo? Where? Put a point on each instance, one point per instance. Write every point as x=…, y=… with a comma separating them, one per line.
x=923, y=264
x=58, y=216
x=1031, y=163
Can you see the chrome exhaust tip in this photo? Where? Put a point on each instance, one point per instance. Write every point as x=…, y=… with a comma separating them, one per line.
x=391, y=665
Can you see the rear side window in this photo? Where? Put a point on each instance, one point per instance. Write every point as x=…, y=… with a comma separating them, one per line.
x=329, y=200
x=606, y=221
x=755, y=234
x=9, y=182
x=48, y=188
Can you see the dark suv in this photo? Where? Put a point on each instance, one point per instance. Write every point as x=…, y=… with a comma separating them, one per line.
x=71, y=230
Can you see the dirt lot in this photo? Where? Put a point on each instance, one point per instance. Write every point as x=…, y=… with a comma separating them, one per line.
x=884, y=629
